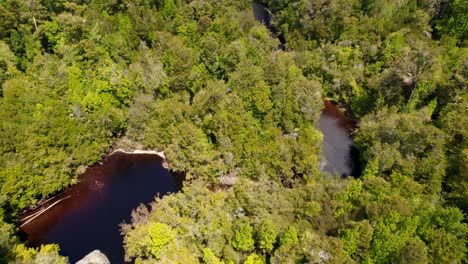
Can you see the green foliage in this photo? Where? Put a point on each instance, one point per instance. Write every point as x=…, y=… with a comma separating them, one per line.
x=400, y=141
x=243, y=238
x=52, y=36
x=209, y=257
x=45, y=254
x=357, y=238
x=266, y=235
x=454, y=121
x=7, y=241
x=415, y=251
x=208, y=85
x=390, y=235
x=190, y=151
x=160, y=235
x=148, y=240
x=445, y=247
x=7, y=64
x=289, y=237
x=255, y=259
x=169, y=9
x=454, y=21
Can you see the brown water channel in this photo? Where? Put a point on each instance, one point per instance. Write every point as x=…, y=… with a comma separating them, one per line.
x=263, y=15
x=340, y=156
x=87, y=215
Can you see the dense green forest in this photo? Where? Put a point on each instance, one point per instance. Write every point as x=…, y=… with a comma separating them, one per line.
x=209, y=85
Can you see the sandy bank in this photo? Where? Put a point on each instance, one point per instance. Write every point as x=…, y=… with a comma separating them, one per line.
x=165, y=163
x=138, y=151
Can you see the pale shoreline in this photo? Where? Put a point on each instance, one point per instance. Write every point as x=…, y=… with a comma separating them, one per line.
x=161, y=154
x=139, y=151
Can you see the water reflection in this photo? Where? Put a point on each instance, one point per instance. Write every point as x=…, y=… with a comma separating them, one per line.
x=89, y=216
x=337, y=143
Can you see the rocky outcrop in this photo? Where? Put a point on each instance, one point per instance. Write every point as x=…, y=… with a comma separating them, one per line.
x=95, y=257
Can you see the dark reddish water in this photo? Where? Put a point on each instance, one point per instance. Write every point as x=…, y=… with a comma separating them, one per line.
x=340, y=155
x=104, y=198
x=262, y=15
x=87, y=216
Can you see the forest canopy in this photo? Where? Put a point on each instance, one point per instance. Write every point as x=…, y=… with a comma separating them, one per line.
x=224, y=98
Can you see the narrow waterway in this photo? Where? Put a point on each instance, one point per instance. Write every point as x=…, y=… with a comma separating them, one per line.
x=87, y=216
x=262, y=15
x=340, y=156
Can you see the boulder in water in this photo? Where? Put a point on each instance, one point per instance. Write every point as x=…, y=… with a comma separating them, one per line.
x=95, y=257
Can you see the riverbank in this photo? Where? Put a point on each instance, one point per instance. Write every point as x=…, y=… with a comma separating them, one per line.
x=87, y=215
x=346, y=119
x=138, y=151
x=122, y=145
x=160, y=154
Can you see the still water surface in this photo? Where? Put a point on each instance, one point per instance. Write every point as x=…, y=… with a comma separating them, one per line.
x=340, y=155
x=89, y=216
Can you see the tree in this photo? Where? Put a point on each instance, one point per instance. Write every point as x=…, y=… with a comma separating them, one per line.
x=255, y=259
x=169, y=9
x=160, y=235
x=266, y=236
x=45, y=254
x=400, y=141
x=7, y=240
x=148, y=241
x=414, y=252
x=444, y=247
x=357, y=239
x=247, y=82
x=7, y=64
x=289, y=237
x=210, y=258
x=454, y=21
x=390, y=235
x=237, y=112
x=191, y=151
x=453, y=120
x=243, y=238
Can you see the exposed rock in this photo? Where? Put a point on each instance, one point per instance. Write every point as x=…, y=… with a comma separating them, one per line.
x=239, y=213
x=428, y=34
x=324, y=257
x=229, y=179
x=166, y=164
x=81, y=169
x=292, y=135
x=95, y=257
x=346, y=43
x=408, y=81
